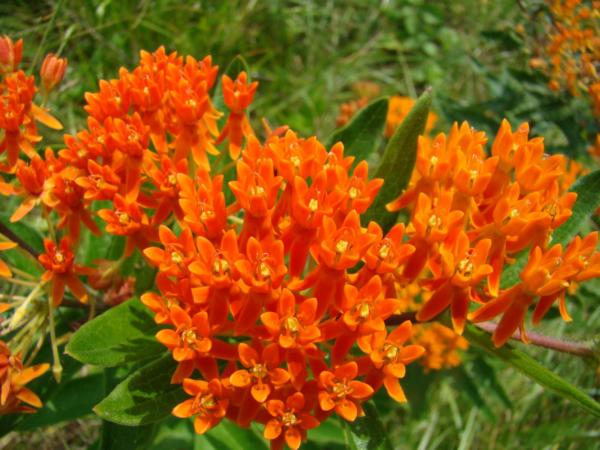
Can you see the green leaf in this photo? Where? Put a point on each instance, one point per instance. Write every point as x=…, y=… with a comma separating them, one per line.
x=361, y=136
x=121, y=335
x=229, y=436
x=532, y=369
x=486, y=376
x=146, y=396
x=72, y=400
x=367, y=432
x=398, y=162
x=119, y=437
x=588, y=200
x=465, y=383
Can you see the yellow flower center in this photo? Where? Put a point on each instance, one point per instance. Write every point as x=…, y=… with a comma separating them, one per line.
x=341, y=389
x=259, y=370
x=391, y=352
x=220, y=266
x=123, y=218
x=465, y=266
x=364, y=310
x=292, y=324
x=189, y=336
x=313, y=204
x=257, y=190
x=434, y=221
x=384, y=250
x=176, y=258
x=59, y=257
x=289, y=419
x=353, y=192
x=341, y=246
x=263, y=270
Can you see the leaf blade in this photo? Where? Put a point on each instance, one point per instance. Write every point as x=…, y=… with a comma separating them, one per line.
x=361, y=135
x=121, y=335
x=398, y=162
x=144, y=397
x=533, y=370
x=367, y=432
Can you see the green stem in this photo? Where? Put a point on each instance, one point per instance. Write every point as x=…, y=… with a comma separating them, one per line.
x=56, y=366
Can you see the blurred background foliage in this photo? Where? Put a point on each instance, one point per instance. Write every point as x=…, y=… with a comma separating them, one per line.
x=307, y=55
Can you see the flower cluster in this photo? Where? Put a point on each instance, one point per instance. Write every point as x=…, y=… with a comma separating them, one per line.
x=473, y=214
x=441, y=346
x=314, y=339
x=573, y=48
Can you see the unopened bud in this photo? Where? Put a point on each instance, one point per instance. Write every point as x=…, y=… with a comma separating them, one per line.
x=10, y=54
x=52, y=71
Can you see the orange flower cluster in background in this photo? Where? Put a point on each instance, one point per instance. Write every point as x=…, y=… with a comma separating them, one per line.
x=441, y=344
x=398, y=108
x=573, y=48
x=473, y=214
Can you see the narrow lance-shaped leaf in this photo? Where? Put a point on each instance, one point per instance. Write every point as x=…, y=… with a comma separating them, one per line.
x=588, y=201
x=367, y=432
x=146, y=396
x=398, y=162
x=121, y=335
x=361, y=136
x=532, y=369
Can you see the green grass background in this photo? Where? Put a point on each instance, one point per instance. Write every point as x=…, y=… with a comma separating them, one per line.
x=306, y=55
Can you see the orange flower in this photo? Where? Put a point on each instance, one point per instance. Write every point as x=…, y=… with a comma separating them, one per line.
x=391, y=355
x=340, y=391
x=13, y=378
x=127, y=219
x=291, y=328
x=263, y=371
x=208, y=405
x=32, y=179
x=366, y=310
x=290, y=422
x=61, y=271
x=192, y=335
x=237, y=95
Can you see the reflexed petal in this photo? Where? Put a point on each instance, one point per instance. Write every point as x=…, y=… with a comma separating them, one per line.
x=260, y=392
x=272, y=429
x=360, y=390
x=27, y=396
x=184, y=409
x=325, y=401
x=293, y=438
x=347, y=409
x=202, y=424
x=169, y=338
x=240, y=378
x=392, y=386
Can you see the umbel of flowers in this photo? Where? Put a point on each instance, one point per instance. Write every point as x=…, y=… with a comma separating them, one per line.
x=274, y=303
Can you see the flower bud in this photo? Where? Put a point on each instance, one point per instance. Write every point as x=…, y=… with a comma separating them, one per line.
x=52, y=71
x=10, y=54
